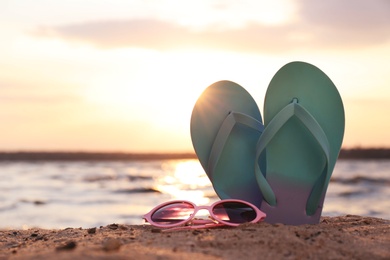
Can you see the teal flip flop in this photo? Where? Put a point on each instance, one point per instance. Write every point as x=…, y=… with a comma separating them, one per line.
x=304, y=129
x=225, y=126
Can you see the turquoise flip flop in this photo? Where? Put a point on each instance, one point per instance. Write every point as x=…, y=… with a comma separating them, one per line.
x=225, y=126
x=304, y=129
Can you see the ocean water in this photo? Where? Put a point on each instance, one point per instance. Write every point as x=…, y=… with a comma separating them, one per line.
x=91, y=194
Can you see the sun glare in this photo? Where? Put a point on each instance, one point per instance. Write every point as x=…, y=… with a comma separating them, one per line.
x=163, y=88
x=185, y=180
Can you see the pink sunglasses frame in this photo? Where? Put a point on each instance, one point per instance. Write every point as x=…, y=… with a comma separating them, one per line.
x=202, y=223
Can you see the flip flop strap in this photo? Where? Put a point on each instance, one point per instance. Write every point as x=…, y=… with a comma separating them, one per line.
x=291, y=110
x=223, y=134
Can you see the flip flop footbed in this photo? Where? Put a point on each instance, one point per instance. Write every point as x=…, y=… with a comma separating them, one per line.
x=232, y=175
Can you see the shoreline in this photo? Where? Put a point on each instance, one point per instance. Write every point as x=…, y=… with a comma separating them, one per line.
x=350, y=153
x=342, y=237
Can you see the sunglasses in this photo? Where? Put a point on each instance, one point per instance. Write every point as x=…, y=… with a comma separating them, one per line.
x=180, y=214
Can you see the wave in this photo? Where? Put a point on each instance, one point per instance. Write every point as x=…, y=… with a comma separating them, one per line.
x=99, y=178
x=361, y=179
x=137, y=190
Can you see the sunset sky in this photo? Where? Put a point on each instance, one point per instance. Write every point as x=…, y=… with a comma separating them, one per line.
x=122, y=75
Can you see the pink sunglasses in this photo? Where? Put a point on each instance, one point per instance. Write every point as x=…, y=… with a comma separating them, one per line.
x=179, y=214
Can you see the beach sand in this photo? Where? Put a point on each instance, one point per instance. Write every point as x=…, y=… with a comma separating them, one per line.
x=344, y=237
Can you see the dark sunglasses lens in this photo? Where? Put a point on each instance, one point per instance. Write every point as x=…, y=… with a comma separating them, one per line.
x=234, y=212
x=172, y=213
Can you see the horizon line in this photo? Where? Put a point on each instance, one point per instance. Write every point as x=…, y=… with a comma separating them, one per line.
x=345, y=153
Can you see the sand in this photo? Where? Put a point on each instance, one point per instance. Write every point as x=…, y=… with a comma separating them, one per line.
x=344, y=237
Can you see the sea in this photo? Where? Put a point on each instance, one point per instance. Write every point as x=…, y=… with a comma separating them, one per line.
x=86, y=194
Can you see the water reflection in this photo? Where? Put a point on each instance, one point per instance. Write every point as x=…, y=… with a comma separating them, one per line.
x=88, y=194
x=186, y=180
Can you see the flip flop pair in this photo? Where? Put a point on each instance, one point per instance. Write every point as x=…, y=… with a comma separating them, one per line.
x=284, y=165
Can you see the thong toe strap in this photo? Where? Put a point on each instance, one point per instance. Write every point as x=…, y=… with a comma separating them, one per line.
x=232, y=119
x=294, y=109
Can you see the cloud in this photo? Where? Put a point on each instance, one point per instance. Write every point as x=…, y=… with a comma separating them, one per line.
x=162, y=35
x=346, y=24
x=319, y=25
x=355, y=15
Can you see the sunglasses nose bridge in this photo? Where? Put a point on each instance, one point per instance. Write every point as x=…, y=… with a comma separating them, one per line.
x=202, y=208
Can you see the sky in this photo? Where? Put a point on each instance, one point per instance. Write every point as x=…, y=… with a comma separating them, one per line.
x=124, y=75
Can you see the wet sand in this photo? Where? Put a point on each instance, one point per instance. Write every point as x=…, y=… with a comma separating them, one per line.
x=344, y=237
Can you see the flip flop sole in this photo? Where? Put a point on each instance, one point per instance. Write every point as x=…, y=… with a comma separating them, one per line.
x=295, y=160
x=233, y=176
